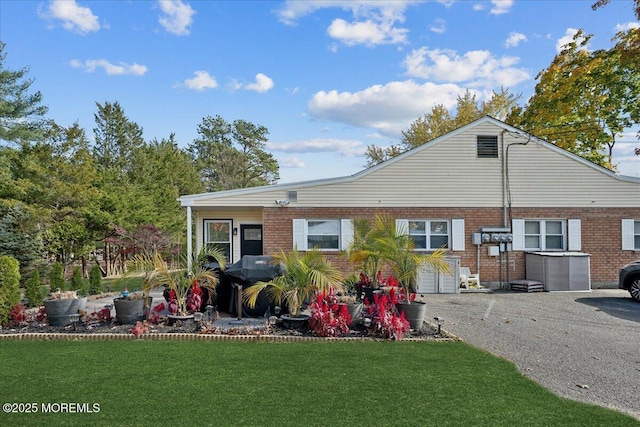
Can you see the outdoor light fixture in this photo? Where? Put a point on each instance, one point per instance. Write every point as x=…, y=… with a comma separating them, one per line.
x=367, y=322
x=235, y=231
x=277, y=310
x=439, y=321
x=272, y=320
x=209, y=309
x=75, y=318
x=282, y=202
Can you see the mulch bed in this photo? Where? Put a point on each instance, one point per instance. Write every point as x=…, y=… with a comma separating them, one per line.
x=207, y=330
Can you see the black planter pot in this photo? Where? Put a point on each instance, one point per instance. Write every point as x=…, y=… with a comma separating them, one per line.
x=299, y=322
x=369, y=293
x=130, y=311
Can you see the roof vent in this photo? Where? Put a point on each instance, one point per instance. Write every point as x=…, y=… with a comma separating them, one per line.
x=487, y=147
x=292, y=196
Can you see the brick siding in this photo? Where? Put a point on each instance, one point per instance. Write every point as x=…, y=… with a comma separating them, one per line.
x=601, y=235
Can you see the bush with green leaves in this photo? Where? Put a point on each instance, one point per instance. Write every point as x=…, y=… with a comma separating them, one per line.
x=33, y=289
x=9, y=286
x=77, y=282
x=56, y=278
x=95, y=280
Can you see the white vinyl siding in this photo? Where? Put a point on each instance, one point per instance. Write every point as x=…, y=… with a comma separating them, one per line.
x=630, y=235
x=324, y=234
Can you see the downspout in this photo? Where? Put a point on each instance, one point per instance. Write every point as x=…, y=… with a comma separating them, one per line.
x=508, y=188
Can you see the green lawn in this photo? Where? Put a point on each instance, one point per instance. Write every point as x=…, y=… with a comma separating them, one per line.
x=147, y=383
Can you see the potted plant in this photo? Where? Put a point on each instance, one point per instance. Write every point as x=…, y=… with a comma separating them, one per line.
x=132, y=307
x=364, y=253
x=397, y=249
x=184, y=284
x=304, y=275
x=383, y=245
x=61, y=306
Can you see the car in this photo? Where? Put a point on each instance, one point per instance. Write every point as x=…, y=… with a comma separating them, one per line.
x=630, y=279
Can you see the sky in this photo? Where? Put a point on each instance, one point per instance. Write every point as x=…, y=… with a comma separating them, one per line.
x=326, y=78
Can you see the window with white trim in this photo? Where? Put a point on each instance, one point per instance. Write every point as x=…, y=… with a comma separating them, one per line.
x=217, y=233
x=323, y=234
x=429, y=234
x=630, y=235
x=544, y=235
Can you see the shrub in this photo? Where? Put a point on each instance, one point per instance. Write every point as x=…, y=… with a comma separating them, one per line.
x=56, y=278
x=328, y=318
x=385, y=320
x=9, y=286
x=95, y=280
x=77, y=282
x=33, y=289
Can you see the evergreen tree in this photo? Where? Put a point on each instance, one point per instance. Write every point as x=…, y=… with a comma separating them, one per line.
x=9, y=286
x=230, y=156
x=21, y=112
x=32, y=289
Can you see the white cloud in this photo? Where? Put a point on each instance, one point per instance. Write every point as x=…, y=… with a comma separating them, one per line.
x=202, y=80
x=501, y=6
x=346, y=147
x=514, y=39
x=566, y=39
x=388, y=108
x=262, y=84
x=439, y=26
x=177, y=18
x=367, y=32
x=374, y=22
x=79, y=19
x=478, y=7
x=291, y=162
x=627, y=26
x=111, y=69
x=476, y=68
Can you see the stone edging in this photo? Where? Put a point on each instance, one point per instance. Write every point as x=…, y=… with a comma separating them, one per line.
x=187, y=336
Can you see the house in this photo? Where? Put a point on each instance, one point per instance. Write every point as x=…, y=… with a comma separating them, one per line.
x=466, y=190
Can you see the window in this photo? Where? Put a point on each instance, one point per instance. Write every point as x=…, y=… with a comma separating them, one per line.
x=429, y=234
x=487, y=147
x=324, y=234
x=217, y=233
x=544, y=235
x=630, y=235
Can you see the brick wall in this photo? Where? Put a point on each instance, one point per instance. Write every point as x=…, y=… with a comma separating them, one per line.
x=601, y=235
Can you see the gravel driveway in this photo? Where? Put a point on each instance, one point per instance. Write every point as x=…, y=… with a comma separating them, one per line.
x=580, y=345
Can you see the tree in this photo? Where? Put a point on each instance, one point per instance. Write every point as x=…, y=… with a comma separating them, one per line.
x=230, y=156
x=20, y=237
x=9, y=286
x=584, y=100
x=116, y=137
x=439, y=121
x=601, y=3
x=21, y=112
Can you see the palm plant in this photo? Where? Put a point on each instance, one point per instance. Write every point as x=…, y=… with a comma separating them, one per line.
x=390, y=246
x=304, y=275
x=363, y=251
x=182, y=280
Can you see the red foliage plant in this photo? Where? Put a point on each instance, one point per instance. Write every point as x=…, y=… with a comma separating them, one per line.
x=328, y=318
x=385, y=320
x=18, y=314
x=103, y=316
x=154, y=316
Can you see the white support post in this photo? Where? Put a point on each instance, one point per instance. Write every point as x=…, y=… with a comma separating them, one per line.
x=189, y=239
